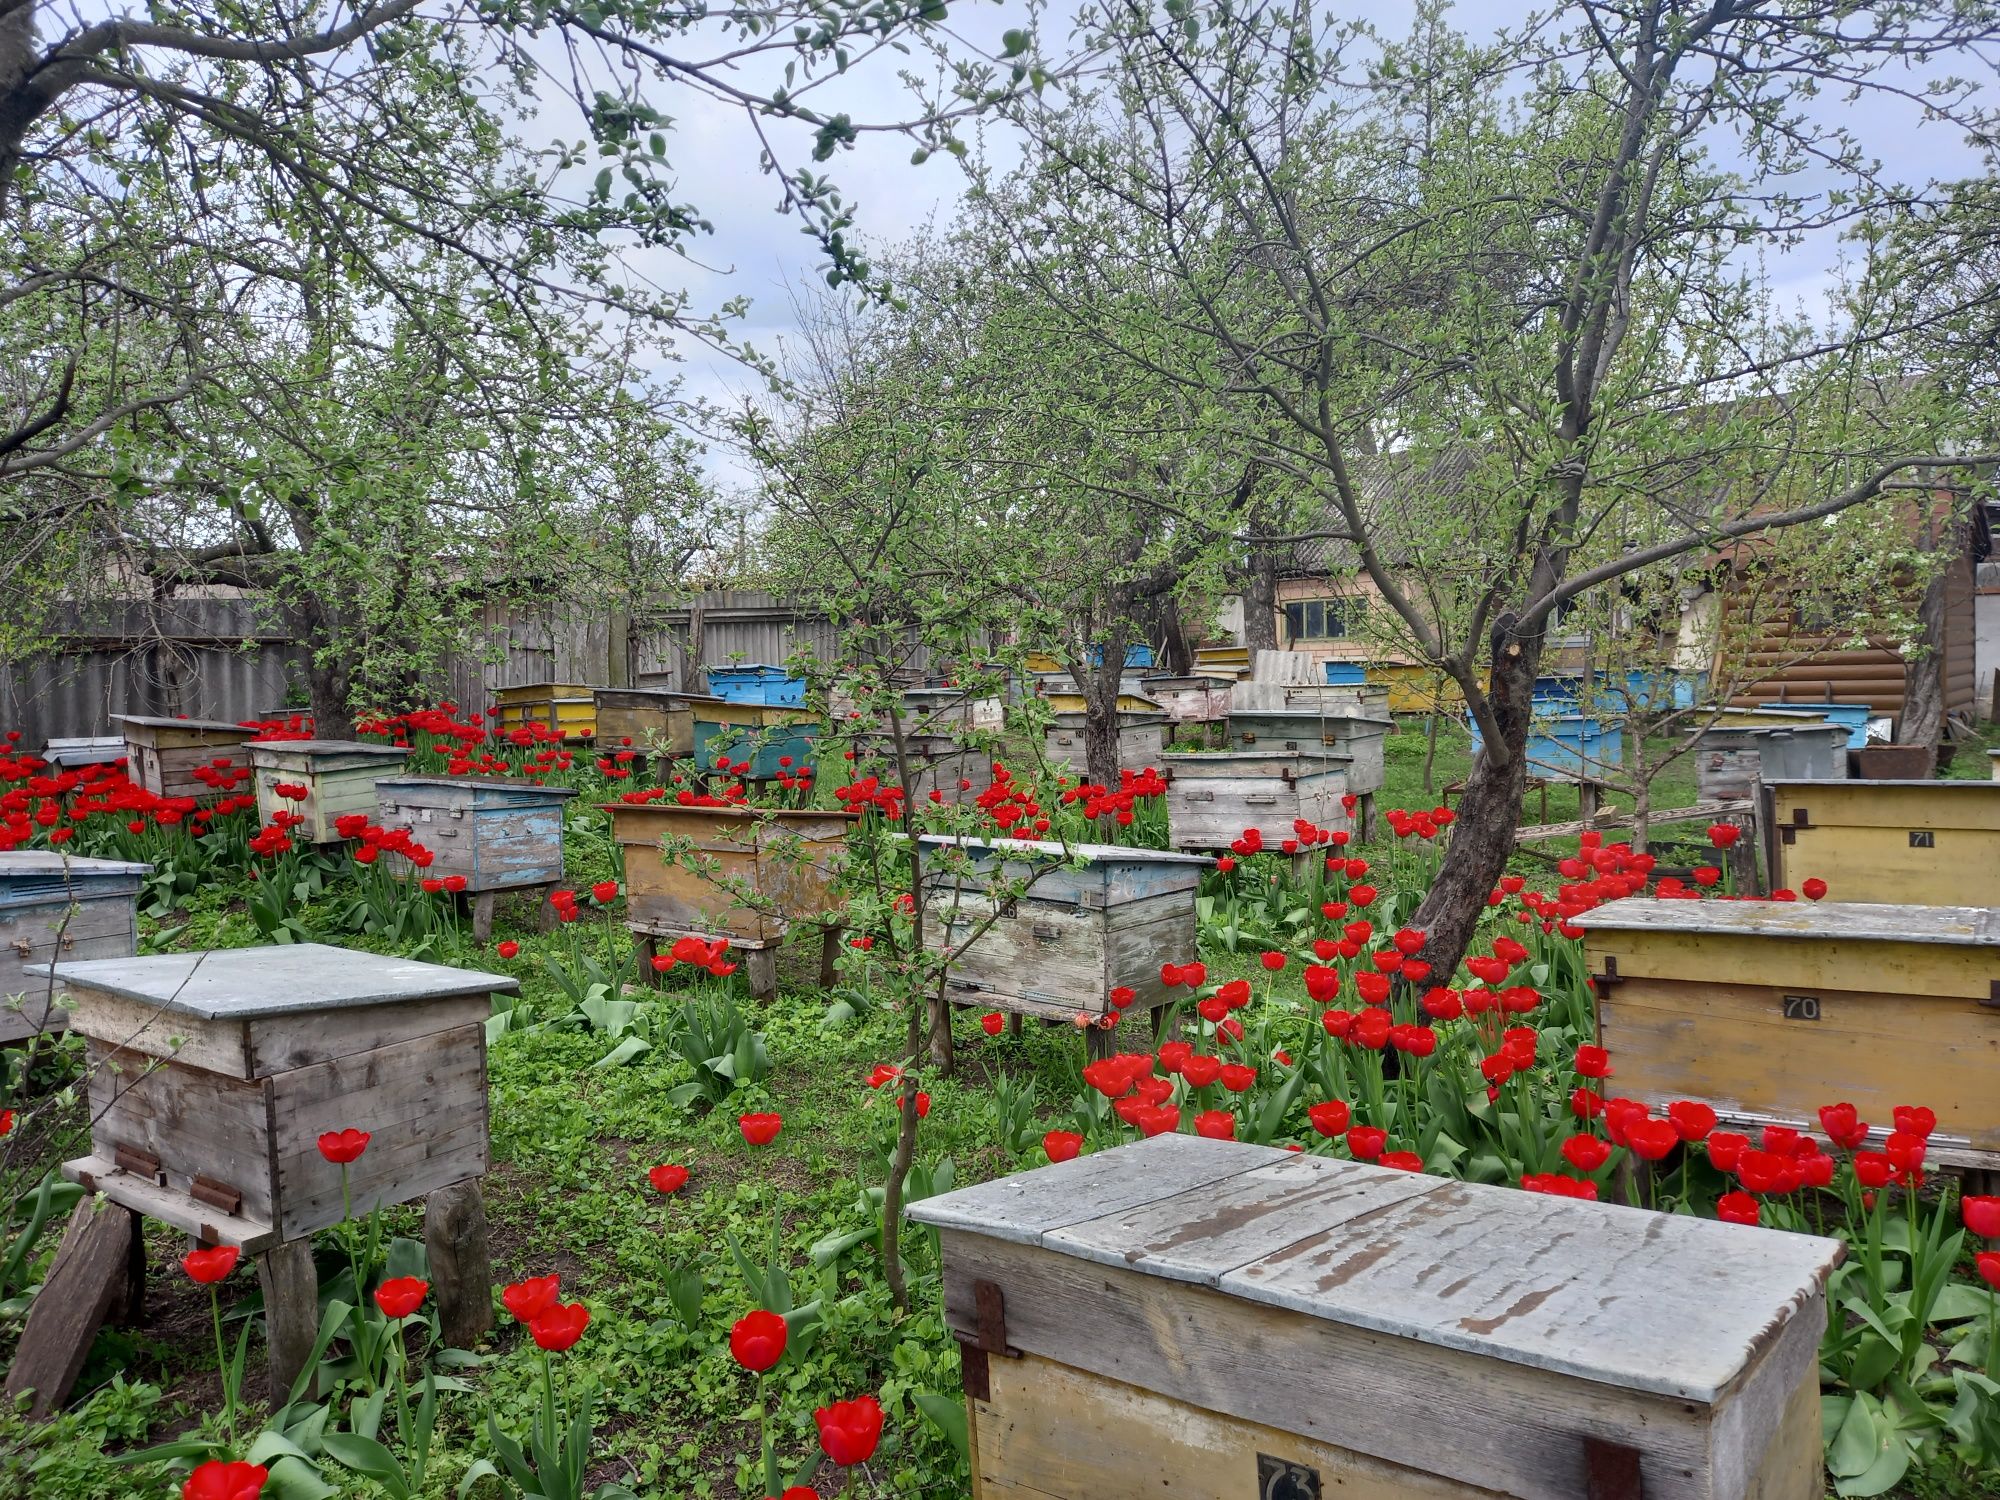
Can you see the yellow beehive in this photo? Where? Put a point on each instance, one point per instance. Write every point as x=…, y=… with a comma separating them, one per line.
x=1920, y=843
x=566, y=707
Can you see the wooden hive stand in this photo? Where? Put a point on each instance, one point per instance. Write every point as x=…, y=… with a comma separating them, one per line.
x=1058, y=949
x=504, y=837
x=212, y=1077
x=1767, y=1010
x=53, y=907
x=1213, y=1320
x=757, y=876
x=1921, y=843
x=339, y=777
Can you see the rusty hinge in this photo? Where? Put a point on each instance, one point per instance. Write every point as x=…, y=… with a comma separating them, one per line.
x=136, y=1160
x=216, y=1194
x=1992, y=1000
x=1801, y=818
x=1285, y=775
x=973, y=1373
x=989, y=1338
x=1602, y=983
x=1611, y=1471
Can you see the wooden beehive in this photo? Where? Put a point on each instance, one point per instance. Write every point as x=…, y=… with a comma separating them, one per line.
x=649, y=720
x=162, y=755
x=1058, y=947
x=1769, y=1009
x=1213, y=798
x=1922, y=843
x=1142, y=740
x=87, y=750
x=770, y=738
x=213, y=1075
x=758, y=871
x=939, y=763
x=1732, y=760
x=53, y=907
x=940, y=710
x=1190, y=700
x=1359, y=737
x=339, y=777
x=498, y=834
x=1214, y=1320
x=565, y=707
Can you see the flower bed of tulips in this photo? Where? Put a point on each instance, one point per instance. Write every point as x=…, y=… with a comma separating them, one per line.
x=686, y=1194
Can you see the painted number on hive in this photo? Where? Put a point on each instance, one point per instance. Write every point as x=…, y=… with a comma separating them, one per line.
x=1281, y=1479
x=1801, y=1007
x=1923, y=838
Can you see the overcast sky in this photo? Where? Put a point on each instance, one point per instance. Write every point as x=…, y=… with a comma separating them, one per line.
x=757, y=253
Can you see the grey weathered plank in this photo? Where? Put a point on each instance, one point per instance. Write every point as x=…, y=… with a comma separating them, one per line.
x=1663, y=1303
x=1023, y=1207
x=461, y=1267
x=1203, y=1234
x=89, y=1276
x=1850, y=921
x=273, y=981
x=169, y=1206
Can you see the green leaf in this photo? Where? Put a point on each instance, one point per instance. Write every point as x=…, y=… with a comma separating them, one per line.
x=947, y=1414
x=1854, y=1448
x=292, y=1478
x=366, y=1456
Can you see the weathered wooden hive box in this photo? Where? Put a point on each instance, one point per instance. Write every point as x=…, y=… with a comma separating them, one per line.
x=1071, y=935
x=1359, y=737
x=87, y=750
x=1732, y=760
x=653, y=720
x=771, y=737
x=1142, y=740
x=213, y=1075
x=162, y=755
x=497, y=834
x=1921, y=843
x=938, y=762
x=1993, y=759
x=565, y=707
x=339, y=777
x=1172, y=1318
x=53, y=908
x=1767, y=1010
x=757, y=871
x=1212, y=799
x=943, y=709
x=1190, y=700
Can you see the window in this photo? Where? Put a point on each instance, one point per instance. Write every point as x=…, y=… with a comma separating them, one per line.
x=1318, y=619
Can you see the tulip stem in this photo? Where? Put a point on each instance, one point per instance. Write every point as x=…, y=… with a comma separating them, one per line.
x=222, y=1366
x=360, y=1290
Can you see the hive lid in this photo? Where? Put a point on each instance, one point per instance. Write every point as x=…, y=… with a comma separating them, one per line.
x=1099, y=854
x=495, y=783
x=152, y=721
x=1664, y=1303
x=35, y=877
x=1858, y=784
x=285, y=979
x=1853, y=921
x=330, y=747
x=1306, y=711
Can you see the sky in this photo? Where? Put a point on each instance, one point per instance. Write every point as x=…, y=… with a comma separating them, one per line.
x=759, y=254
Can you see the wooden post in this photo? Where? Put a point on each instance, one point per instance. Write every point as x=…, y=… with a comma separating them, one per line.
x=761, y=964
x=460, y=1265
x=482, y=916
x=291, y=1310
x=646, y=947
x=1100, y=1043
x=87, y=1280
x=545, y=913
x=829, y=954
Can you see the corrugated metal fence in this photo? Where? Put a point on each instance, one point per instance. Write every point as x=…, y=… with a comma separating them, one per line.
x=220, y=659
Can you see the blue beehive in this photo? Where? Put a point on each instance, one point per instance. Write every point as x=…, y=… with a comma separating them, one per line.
x=1569, y=747
x=1140, y=655
x=1345, y=674
x=1645, y=692
x=1853, y=717
x=757, y=682
x=773, y=738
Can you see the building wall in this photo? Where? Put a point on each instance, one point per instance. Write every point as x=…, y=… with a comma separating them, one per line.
x=1986, y=639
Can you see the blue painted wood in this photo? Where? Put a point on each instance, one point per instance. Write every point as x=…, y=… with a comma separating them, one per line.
x=499, y=835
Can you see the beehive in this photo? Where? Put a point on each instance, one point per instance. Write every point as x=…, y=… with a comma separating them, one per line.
x=1190, y=700
x=1922, y=843
x=1060, y=938
x=1214, y=1320
x=759, y=871
x=339, y=777
x=565, y=707
x=1732, y=760
x=87, y=750
x=163, y=754
x=939, y=710
x=1767, y=1010
x=500, y=835
x=1213, y=798
x=770, y=738
x=53, y=907
x=939, y=763
x=1142, y=740
x=1356, y=736
x=213, y=1075
x=655, y=721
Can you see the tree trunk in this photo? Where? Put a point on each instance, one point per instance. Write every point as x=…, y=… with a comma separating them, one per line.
x=1260, y=601
x=1923, y=719
x=1100, y=707
x=1489, y=813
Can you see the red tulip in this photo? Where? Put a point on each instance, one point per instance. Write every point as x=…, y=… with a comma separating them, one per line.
x=217, y=1480
x=1736, y=1208
x=992, y=1023
x=1652, y=1139
x=1237, y=1077
x=757, y=1340
x=1122, y=996
x=1586, y=1152
x=508, y=948
x=1691, y=1118
x=883, y=1073
x=1722, y=835
x=1982, y=1215
x=849, y=1430
x=1593, y=1062
x=1365, y=1142
x=1062, y=1145
x=1200, y=1070
x=1987, y=1263
x=1843, y=1126
x=1873, y=1169
x=343, y=1146
x=668, y=1177
x=402, y=1296
x=1402, y=1161
x=1813, y=888
x=211, y=1265
x=1905, y=1151
x=1216, y=1125
x=528, y=1300
x=1915, y=1120
x=1331, y=1118
x=1272, y=961
x=559, y=1325
x=760, y=1129
x=604, y=892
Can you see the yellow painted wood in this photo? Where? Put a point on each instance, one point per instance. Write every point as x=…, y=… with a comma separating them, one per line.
x=1886, y=968
x=1073, y=703
x=1051, y=1430
x=1857, y=838
x=564, y=706
x=1415, y=690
